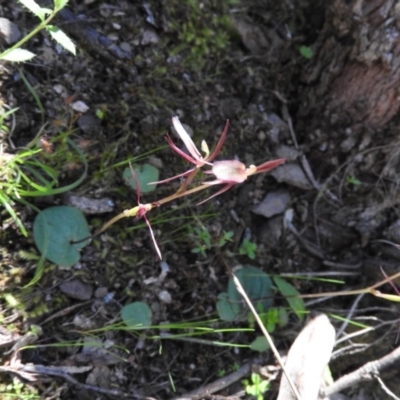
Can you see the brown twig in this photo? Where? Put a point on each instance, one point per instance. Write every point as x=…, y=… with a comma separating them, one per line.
x=218, y=385
x=33, y=370
x=367, y=372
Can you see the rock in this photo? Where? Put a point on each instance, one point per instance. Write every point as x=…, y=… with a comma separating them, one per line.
x=290, y=153
x=89, y=123
x=271, y=231
x=293, y=175
x=88, y=205
x=79, y=106
x=99, y=376
x=77, y=289
x=274, y=203
x=277, y=127
x=252, y=36
x=393, y=232
x=149, y=36
x=230, y=107
x=9, y=31
x=165, y=297
x=100, y=292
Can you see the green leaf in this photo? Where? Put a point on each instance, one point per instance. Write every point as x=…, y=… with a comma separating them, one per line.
x=18, y=55
x=7, y=202
x=283, y=317
x=306, y=52
x=59, y=232
x=260, y=344
x=291, y=294
x=145, y=173
x=34, y=8
x=256, y=284
x=61, y=38
x=60, y=4
x=226, y=309
x=137, y=314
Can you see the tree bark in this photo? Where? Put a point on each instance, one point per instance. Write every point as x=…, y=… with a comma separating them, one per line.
x=353, y=80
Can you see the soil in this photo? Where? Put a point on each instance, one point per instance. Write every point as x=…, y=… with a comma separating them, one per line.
x=331, y=223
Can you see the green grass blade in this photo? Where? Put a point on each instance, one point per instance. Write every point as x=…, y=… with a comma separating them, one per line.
x=6, y=203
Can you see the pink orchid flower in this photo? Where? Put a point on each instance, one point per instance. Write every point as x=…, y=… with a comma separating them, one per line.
x=231, y=172
x=194, y=155
x=142, y=210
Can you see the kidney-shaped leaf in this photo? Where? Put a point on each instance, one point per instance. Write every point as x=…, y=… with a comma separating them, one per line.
x=256, y=284
x=137, y=314
x=59, y=232
x=227, y=310
x=145, y=173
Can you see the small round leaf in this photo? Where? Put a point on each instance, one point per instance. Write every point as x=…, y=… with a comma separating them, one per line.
x=137, y=314
x=256, y=284
x=258, y=287
x=260, y=344
x=145, y=174
x=226, y=309
x=59, y=232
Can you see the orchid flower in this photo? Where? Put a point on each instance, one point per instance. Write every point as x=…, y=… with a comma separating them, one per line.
x=141, y=209
x=194, y=155
x=231, y=172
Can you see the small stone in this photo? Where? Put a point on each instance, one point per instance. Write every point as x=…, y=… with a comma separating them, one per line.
x=77, y=289
x=88, y=205
x=89, y=123
x=79, y=106
x=290, y=153
x=274, y=203
x=149, y=36
x=348, y=144
x=82, y=322
x=100, y=292
x=126, y=47
x=293, y=175
x=59, y=89
x=156, y=162
x=165, y=297
x=393, y=232
x=261, y=136
x=271, y=231
x=9, y=31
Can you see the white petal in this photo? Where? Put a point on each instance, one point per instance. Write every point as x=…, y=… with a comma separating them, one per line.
x=186, y=139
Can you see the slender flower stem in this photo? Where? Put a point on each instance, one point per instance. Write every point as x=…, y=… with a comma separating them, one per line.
x=132, y=212
x=114, y=220
x=177, y=194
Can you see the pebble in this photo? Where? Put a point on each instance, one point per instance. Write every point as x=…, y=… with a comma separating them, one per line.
x=79, y=106
x=9, y=31
x=293, y=175
x=88, y=205
x=165, y=297
x=76, y=289
x=274, y=203
x=89, y=123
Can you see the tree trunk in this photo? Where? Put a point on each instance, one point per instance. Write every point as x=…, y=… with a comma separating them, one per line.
x=353, y=80
x=348, y=113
